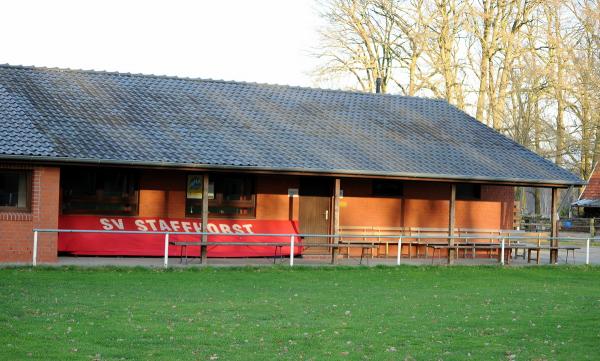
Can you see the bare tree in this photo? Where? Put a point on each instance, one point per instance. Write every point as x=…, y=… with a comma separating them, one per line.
x=556, y=65
x=447, y=18
x=358, y=41
x=497, y=28
x=411, y=21
x=527, y=68
x=584, y=100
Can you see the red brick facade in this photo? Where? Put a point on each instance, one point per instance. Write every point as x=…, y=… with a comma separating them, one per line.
x=592, y=190
x=425, y=204
x=16, y=236
x=162, y=194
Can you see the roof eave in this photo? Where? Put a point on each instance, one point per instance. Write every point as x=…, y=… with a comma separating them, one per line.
x=339, y=172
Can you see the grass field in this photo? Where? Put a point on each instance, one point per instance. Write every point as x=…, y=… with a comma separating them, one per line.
x=404, y=313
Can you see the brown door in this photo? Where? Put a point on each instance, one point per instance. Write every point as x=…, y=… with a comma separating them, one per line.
x=315, y=211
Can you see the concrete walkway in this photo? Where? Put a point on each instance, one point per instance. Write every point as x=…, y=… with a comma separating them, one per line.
x=321, y=261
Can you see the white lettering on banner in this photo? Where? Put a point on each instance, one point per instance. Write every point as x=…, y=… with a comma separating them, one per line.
x=197, y=226
x=212, y=228
x=225, y=228
x=118, y=223
x=140, y=225
x=106, y=225
x=175, y=226
x=163, y=225
x=186, y=226
x=152, y=222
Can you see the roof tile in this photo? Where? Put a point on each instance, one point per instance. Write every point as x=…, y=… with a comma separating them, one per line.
x=123, y=118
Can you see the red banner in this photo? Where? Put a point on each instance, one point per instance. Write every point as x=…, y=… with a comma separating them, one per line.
x=102, y=244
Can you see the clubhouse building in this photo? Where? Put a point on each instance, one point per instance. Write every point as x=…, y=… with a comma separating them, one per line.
x=94, y=150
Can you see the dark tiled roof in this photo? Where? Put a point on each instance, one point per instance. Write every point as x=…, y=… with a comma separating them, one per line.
x=121, y=118
x=587, y=203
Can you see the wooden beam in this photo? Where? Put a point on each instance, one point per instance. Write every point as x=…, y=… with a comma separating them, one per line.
x=554, y=225
x=451, y=222
x=336, y=217
x=203, y=249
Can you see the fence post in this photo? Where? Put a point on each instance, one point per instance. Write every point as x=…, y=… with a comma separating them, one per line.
x=587, y=251
x=502, y=252
x=291, y=251
x=35, y=246
x=166, y=250
x=399, y=251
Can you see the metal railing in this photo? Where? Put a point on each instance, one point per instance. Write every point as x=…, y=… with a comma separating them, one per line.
x=292, y=243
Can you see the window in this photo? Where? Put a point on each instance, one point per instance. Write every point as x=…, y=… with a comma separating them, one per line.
x=468, y=191
x=228, y=196
x=15, y=190
x=99, y=191
x=387, y=188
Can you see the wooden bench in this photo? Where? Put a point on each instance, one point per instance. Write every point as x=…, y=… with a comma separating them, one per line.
x=423, y=237
x=366, y=248
x=474, y=246
x=508, y=250
x=184, y=245
x=529, y=237
x=369, y=235
x=381, y=236
x=538, y=248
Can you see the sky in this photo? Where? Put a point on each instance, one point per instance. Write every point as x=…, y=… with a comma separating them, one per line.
x=266, y=41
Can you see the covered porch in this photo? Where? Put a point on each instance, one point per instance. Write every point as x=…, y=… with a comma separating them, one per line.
x=348, y=210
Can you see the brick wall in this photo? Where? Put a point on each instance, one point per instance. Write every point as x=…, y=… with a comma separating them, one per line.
x=592, y=190
x=272, y=199
x=16, y=235
x=162, y=194
x=505, y=196
x=424, y=204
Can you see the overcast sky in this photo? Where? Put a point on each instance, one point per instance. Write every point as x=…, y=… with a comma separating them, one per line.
x=259, y=40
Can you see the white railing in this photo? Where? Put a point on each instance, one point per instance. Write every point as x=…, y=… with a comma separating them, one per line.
x=292, y=237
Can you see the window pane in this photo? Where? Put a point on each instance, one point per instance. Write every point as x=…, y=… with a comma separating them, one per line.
x=194, y=207
x=211, y=190
x=13, y=189
x=387, y=188
x=231, y=211
x=467, y=191
x=236, y=188
x=228, y=195
x=195, y=184
x=99, y=191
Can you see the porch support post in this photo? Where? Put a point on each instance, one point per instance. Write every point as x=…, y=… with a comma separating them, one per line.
x=336, y=218
x=451, y=223
x=554, y=226
x=203, y=247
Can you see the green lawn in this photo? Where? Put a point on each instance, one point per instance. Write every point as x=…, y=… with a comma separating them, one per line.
x=404, y=313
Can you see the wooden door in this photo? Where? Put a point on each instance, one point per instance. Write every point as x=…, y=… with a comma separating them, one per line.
x=315, y=211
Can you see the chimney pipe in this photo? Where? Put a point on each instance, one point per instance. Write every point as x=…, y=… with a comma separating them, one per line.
x=378, y=85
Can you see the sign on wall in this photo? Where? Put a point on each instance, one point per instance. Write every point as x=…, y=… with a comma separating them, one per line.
x=153, y=244
x=194, y=187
